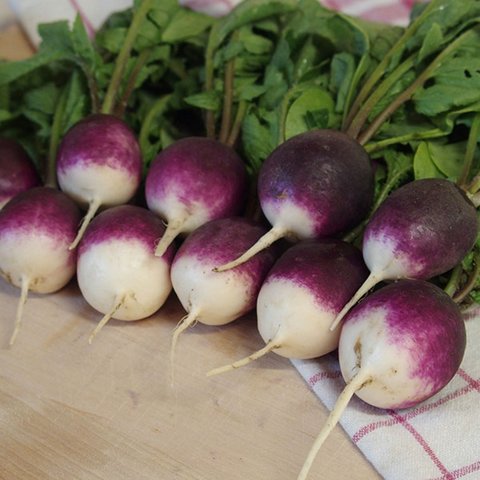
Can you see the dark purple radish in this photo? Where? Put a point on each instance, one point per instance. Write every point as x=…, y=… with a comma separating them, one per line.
x=421, y=230
x=117, y=270
x=99, y=164
x=215, y=298
x=307, y=286
x=17, y=172
x=193, y=181
x=398, y=347
x=36, y=228
x=314, y=185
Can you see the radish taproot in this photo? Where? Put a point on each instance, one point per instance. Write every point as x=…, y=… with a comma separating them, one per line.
x=99, y=164
x=316, y=184
x=398, y=347
x=307, y=286
x=17, y=172
x=36, y=228
x=421, y=230
x=218, y=298
x=193, y=181
x=117, y=270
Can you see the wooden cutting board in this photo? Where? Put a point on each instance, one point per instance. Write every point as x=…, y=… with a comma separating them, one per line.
x=106, y=411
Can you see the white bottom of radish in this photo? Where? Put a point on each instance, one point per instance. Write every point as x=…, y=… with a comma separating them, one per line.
x=290, y=315
x=366, y=345
x=86, y=182
x=289, y=217
x=44, y=261
x=383, y=260
x=173, y=210
x=113, y=269
x=220, y=297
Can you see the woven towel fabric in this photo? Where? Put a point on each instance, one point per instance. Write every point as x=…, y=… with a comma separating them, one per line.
x=388, y=11
x=436, y=440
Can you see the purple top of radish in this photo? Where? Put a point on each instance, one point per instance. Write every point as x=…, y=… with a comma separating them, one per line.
x=325, y=173
x=421, y=319
x=430, y=222
x=223, y=239
x=331, y=270
x=102, y=140
x=125, y=222
x=198, y=170
x=17, y=172
x=41, y=210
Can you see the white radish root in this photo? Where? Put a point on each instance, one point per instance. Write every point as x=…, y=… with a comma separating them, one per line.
x=25, y=284
x=187, y=321
x=356, y=383
x=174, y=228
x=370, y=282
x=245, y=361
x=93, y=206
x=263, y=242
x=106, y=318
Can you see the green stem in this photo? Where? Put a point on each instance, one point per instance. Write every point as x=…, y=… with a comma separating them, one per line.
x=140, y=63
x=122, y=58
x=283, y=114
x=383, y=65
x=157, y=108
x=454, y=280
x=56, y=133
x=408, y=137
x=92, y=88
x=237, y=123
x=470, y=151
x=471, y=282
x=474, y=185
x=209, y=78
x=409, y=91
x=387, y=188
x=363, y=113
x=227, y=101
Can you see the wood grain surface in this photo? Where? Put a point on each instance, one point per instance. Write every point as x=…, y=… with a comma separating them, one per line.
x=106, y=411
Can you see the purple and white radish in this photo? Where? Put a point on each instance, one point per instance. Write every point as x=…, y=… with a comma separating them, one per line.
x=398, y=347
x=36, y=228
x=215, y=298
x=421, y=230
x=117, y=270
x=314, y=185
x=17, y=172
x=99, y=164
x=307, y=286
x=193, y=181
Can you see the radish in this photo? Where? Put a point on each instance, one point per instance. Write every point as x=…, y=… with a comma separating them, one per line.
x=307, y=286
x=99, y=164
x=398, y=347
x=193, y=181
x=117, y=271
x=36, y=228
x=316, y=184
x=217, y=298
x=421, y=230
x=17, y=172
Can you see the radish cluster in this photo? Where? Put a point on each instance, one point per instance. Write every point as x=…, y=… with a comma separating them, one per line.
x=311, y=189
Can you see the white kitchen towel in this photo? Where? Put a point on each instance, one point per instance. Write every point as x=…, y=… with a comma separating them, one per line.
x=389, y=11
x=438, y=439
x=93, y=12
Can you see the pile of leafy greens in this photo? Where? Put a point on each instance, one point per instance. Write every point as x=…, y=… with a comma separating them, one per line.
x=267, y=71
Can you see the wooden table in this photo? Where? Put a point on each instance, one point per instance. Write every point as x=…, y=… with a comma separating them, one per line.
x=106, y=411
